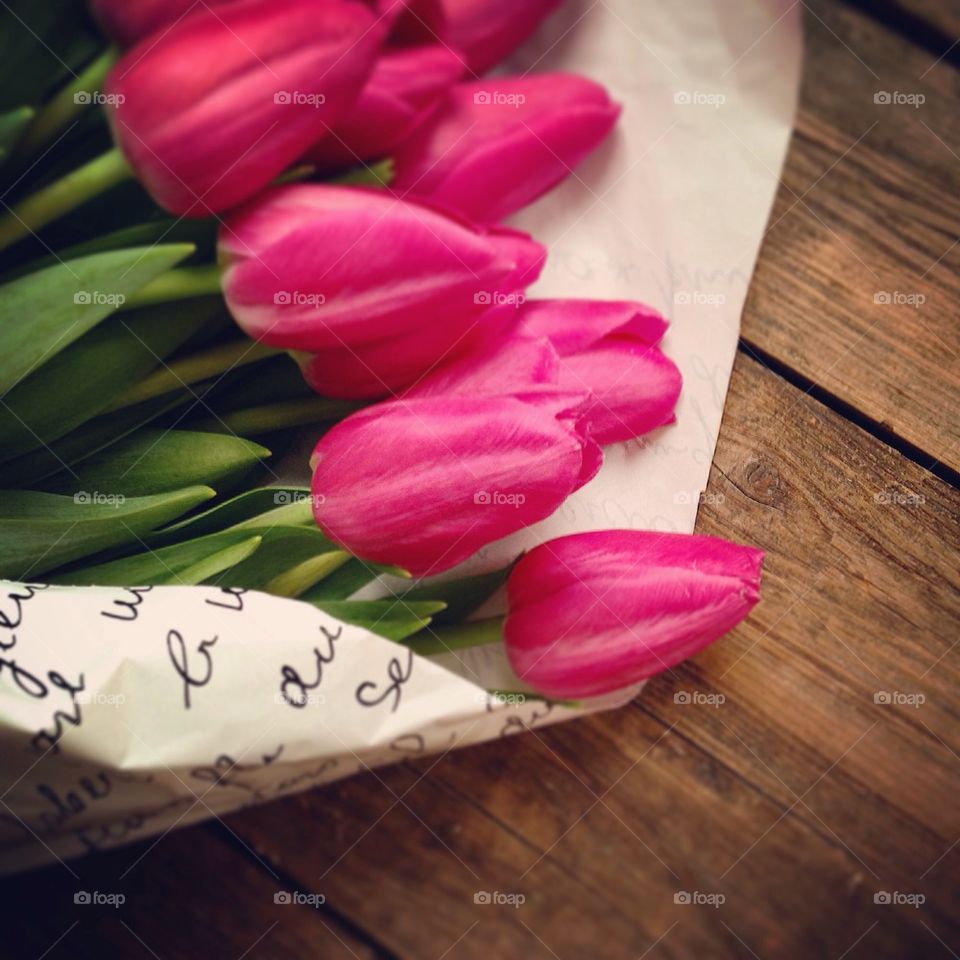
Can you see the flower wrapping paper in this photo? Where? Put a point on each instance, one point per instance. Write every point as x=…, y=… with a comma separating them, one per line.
x=127, y=713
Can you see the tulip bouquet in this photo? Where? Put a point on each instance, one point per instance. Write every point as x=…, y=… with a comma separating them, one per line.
x=246, y=220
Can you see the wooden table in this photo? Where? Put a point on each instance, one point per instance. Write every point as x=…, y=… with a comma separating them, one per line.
x=815, y=773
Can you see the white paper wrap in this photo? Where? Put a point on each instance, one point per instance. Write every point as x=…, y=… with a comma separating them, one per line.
x=124, y=714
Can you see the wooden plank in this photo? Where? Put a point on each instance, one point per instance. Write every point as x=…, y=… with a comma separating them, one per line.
x=190, y=895
x=868, y=212
x=798, y=798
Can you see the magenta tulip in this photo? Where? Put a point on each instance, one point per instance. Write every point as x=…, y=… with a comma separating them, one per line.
x=603, y=349
x=496, y=145
x=370, y=371
x=313, y=267
x=405, y=84
x=424, y=484
x=215, y=107
x=608, y=348
x=127, y=21
x=487, y=30
x=596, y=612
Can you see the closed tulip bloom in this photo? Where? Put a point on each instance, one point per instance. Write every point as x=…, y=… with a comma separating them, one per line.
x=212, y=109
x=595, y=612
x=496, y=145
x=127, y=21
x=487, y=30
x=609, y=349
x=424, y=484
x=313, y=267
x=405, y=84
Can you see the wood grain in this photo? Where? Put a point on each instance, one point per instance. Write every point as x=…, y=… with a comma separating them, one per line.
x=798, y=798
x=868, y=210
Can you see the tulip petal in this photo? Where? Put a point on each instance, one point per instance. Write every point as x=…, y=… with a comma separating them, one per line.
x=574, y=325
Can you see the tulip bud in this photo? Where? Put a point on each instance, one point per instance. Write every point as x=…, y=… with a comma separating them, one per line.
x=316, y=268
x=487, y=30
x=215, y=107
x=424, y=484
x=496, y=145
x=608, y=349
x=405, y=84
x=603, y=349
x=127, y=21
x=596, y=612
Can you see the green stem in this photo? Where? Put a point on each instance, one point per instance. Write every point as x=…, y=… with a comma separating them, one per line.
x=281, y=416
x=62, y=196
x=182, y=284
x=67, y=104
x=201, y=366
x=461, y=636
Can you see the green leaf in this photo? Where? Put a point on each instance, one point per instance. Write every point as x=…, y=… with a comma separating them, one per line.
x=392, y=619
x=42, y=531
x=12, y=124
x=462, y=597
x=187, y=563
x=44, y=312
x=290, y=561
x=156, y=461
x=91, y=438
x=255, y=509
x=351, y=577
x=81, y=381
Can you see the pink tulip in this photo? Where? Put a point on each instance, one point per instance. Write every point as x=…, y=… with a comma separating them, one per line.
x=214, y=108
x=127, y=21
x=426, y=483
x=405, y=84
x=604, y=349
x=314, y=267
x=370, y=371
x=596, y=612
x=609, y=349
x=487, y=30
x=414, y=21
x=498, y=144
